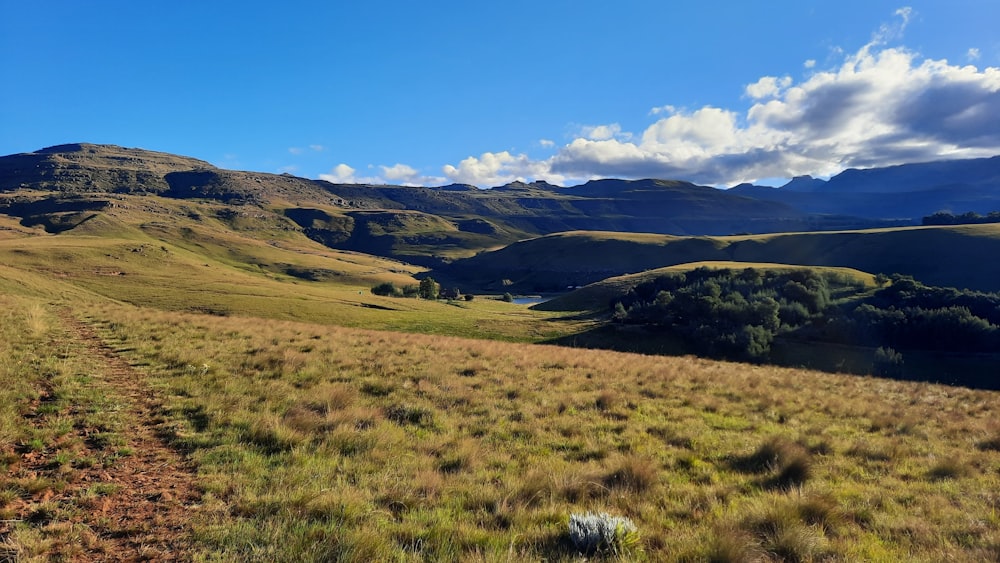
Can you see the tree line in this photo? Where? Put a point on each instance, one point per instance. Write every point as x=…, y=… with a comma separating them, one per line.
x=946, y=218
x=736, y=314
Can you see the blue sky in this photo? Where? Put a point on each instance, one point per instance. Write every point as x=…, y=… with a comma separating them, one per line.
x=430, y=93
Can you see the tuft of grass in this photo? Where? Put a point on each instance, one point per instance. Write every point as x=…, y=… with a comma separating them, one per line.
x=633, y=474
x=779, y=530
x=788, y=462
x=950, y=468
x=991, y=444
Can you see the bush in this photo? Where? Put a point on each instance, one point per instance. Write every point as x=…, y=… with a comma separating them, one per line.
x=887, y=363
x=507, y=298
x=429, y=289
x=603, y=533
x=387, y=289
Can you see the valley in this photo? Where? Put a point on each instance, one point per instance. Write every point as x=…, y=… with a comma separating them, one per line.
x=309, y=418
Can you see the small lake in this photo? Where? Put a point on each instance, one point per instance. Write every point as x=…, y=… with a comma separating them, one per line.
x=531, y=300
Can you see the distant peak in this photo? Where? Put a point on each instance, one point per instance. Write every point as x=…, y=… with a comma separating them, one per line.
x=70, y=147
x=805, y=183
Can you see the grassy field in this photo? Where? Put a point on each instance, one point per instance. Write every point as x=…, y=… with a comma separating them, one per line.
x=325, y=443
x=313, y=421
x=199, y=263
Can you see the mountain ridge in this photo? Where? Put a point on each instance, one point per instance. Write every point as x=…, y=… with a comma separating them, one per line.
x=430, y=226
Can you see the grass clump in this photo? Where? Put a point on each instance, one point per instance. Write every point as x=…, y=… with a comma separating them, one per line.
x=788, y=463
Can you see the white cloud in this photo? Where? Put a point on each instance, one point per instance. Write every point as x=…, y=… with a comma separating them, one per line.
x=547, y=143
x=404, y=175
x=300, y=150
x=811, y=63
x=397, y=174
x=768, y=86
x=341, y=174
x=880, y=106
x=905, y=13
x=973, y=54
x=494, y=169
x=603, y=132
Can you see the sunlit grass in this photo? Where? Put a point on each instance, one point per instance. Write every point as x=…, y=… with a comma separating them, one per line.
x=319, y=443
x=56, y=419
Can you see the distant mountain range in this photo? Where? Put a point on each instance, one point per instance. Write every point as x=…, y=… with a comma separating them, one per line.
x=431, y=225
x=907, y=191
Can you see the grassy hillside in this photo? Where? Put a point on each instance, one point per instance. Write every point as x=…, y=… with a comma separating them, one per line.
x=425, y=225
x=944, y=256
x=199, y=255
x=320, y=443
x=597, y=296
x=187, y=372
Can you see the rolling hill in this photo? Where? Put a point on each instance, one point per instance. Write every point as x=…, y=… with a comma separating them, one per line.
x=428, y=226
x=193, y=368
x=955, y=256
x=549, y=237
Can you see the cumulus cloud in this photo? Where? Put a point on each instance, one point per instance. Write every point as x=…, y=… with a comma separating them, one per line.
x=341, y=174
x=404, y=175
x=973, y=54
x=397, y=174
x=603, y=132
x=879, y=106
x=547, y=143
x=768, y=86
x=497, y=168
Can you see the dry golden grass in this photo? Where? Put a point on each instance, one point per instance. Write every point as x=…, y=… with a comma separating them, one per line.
x=327, y=443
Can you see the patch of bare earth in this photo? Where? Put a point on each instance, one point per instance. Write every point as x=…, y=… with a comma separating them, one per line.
x=133, y=500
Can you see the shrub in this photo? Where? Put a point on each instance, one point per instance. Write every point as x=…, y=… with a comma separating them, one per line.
x=507, y=298
x=387, y=289
x=887, y=363
x=429, y=289
x=603, y=533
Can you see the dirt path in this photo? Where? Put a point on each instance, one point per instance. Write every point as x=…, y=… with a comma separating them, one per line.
x=147, y=514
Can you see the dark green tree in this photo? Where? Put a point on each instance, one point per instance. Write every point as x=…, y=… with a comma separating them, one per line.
x=429, y=288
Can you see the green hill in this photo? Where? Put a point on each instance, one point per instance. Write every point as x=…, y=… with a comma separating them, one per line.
x=955, y=256
x=457, y=220
x=597, y=296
